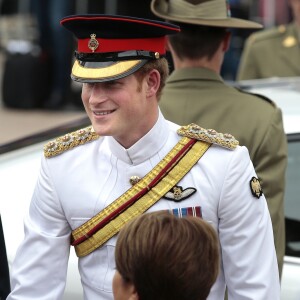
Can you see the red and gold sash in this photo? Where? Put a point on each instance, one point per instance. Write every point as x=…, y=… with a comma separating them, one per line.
x=140, y=197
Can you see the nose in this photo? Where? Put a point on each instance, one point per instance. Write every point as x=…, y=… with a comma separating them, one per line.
x=97, y=94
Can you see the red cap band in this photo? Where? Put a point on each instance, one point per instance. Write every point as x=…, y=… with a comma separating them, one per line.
x=119, y=45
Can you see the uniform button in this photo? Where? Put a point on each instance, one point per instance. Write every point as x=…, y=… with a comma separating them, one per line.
x=134, y=179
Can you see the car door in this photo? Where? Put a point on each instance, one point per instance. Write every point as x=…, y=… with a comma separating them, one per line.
x=290, y=285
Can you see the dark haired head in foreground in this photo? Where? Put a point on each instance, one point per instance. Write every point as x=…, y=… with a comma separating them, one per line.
x=160, y=256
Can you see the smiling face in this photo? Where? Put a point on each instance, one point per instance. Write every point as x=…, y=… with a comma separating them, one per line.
x=125, y=108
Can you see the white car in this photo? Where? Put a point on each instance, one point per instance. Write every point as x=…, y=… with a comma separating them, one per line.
x=18, y=174
x=19, y=171
x=286, y=93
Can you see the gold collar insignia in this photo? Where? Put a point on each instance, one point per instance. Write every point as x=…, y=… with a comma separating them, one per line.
x=289, y=41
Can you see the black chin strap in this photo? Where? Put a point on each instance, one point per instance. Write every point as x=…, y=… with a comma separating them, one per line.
x=117, y=56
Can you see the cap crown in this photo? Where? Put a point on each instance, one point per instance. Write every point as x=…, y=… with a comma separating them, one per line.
x=112, y=46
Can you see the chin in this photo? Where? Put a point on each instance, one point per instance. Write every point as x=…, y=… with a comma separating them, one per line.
x=101, y=130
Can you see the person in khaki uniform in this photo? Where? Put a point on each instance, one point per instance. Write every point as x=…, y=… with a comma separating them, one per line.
x=273, y=52
x=195, y=92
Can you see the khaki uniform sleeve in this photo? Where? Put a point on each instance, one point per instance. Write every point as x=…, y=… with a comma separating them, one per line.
x=271, y=169
x=247, y=67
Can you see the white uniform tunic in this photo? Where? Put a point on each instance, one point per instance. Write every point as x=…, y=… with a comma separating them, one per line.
x=76, y=185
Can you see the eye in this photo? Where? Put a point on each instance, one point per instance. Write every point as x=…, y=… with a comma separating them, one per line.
x=89, y=85
x=114, y=82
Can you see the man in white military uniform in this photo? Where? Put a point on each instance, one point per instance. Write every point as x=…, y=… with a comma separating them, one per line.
x=132, y=161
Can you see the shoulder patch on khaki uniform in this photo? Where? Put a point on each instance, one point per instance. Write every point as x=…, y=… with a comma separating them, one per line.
x=70, y=141
x=194, y=131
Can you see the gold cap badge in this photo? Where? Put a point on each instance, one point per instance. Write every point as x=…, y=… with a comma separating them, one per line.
x=93, y=43
x=281, y=28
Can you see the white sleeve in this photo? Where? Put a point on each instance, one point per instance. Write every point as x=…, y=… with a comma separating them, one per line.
x=246, y=236
x=40, y=266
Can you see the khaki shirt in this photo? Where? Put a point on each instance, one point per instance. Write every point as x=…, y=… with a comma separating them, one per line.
x=271, y=53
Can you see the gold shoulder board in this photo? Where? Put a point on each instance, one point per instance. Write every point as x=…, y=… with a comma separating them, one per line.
x=69, y=141
x=194, y=131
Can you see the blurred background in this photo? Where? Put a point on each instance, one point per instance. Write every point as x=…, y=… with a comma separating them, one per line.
x=36, y=56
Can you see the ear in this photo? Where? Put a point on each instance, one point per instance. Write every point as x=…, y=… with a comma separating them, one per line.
x=226, y=41
x=168, y=45
x=153, y=83
x=133, y=293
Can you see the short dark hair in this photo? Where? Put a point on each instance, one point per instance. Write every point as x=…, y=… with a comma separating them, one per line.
x=168, y=258
x=196, y=41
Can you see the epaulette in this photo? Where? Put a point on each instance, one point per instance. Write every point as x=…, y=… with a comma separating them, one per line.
x=69, y=141
x=262, y=35
x=263, y=97
x=194, y=131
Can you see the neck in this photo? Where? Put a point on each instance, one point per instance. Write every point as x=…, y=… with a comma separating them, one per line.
x=197, y=63
x=213, y=64
x=142, y=127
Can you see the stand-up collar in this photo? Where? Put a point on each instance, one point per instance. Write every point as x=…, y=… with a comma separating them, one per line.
x=146, y=147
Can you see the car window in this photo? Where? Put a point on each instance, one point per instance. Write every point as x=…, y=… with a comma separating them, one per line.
x=292, y=199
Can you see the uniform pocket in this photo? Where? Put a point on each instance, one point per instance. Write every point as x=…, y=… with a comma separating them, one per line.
x=97, y=269
x=103, y=260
